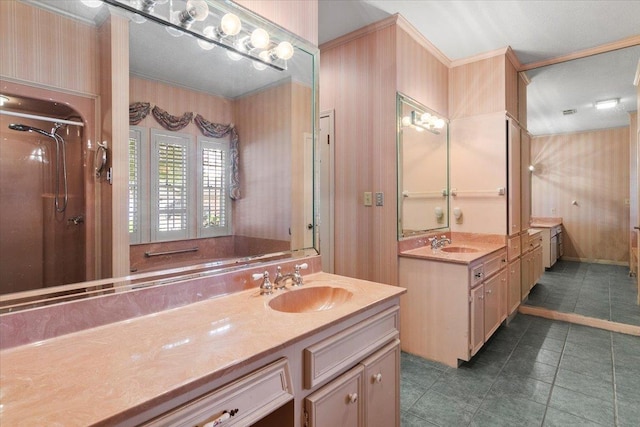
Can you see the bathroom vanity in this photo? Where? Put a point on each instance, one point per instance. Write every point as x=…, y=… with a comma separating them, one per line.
x=552, y=241
x=456, y=298
x=301, y=356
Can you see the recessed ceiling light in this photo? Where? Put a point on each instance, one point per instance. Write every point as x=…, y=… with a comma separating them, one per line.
x=607, y=103
x=3, y=100
x=569, y=112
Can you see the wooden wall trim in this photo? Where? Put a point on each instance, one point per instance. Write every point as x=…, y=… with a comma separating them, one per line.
x=608, y=47
x=360, y=32
x=480, y=57
x=422, y=40
x=580, y=320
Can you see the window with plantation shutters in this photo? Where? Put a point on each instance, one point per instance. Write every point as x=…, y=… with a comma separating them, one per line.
x=213, y=160
x=170, y=194
x=138, y=151
x=178, y=188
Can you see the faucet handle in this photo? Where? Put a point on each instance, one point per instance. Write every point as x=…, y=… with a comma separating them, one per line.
x=297, y=277
x=266, y=288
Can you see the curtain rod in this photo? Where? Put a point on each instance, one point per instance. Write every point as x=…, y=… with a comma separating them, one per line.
x=45, y=118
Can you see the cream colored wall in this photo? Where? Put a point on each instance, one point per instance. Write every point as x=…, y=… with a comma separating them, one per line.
x=591, y=168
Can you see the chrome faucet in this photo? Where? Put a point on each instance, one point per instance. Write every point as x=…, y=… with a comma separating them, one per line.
x=438, y=243
x=266, y=288
x=296, y=278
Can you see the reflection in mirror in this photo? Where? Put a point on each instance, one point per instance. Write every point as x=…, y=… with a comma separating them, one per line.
x=423, y=148
x=581, y=164
x=265, y=91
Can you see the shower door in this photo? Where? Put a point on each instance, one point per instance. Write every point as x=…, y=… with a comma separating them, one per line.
x=39, y=246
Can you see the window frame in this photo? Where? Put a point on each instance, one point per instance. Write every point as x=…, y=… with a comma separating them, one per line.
x=223, y=144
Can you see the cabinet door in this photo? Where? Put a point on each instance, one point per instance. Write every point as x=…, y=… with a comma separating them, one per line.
x=382, y=387
x=514, y=177
x=525, y=281
x=525, y=184
x=339, y=403
x=538, y=268
x=476, y=319
x=493, y=303
x=513, y=285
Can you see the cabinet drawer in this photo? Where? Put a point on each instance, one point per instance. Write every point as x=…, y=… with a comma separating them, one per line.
x=253, y=396
x=514, y=248
x=328, y=357
x=493, y=264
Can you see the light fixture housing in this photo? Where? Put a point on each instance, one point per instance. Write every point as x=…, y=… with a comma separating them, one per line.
x=607, y=103
x=3, y=100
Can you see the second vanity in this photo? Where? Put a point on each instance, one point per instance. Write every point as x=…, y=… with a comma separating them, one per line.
x=456, y=298
x=234, y=358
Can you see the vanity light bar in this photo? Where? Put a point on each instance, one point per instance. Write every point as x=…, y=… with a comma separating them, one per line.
x=222, y=42
x=427, y=121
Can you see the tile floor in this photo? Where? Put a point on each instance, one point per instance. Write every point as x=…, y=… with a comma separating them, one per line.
x=533, y=372
x=594, y=290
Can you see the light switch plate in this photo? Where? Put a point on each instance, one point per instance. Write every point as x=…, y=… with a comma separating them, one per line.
x=368, y=198
x=379, y=199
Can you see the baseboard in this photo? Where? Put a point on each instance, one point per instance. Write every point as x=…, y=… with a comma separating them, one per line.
x=595, y=261
x=580, y=320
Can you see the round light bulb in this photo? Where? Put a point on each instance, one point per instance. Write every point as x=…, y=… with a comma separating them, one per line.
x=424, y=117
x=92, y=3
x=406, y=121
x=259, y=38
x=532, y=168
x=259, y=66
x=233, y=55
x=198, y=9
x=439, y=123
x=419, y=129
x=208, y=32
x=230, y=24
x=284, y=50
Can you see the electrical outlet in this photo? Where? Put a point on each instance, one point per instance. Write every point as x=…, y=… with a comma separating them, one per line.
x=368, y=198
x=379, y=199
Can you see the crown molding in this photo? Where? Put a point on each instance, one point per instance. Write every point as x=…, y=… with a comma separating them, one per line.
x=422, y=40
x=361, y=32
x=608, y=47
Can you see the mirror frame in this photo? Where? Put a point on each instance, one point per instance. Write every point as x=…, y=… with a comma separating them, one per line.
x=47, y=296
x=402, y=99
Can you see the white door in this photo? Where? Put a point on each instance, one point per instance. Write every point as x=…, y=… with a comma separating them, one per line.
x=308, y=190
x=326, y=179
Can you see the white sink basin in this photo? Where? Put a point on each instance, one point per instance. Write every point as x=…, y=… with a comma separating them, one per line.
x=458, y=249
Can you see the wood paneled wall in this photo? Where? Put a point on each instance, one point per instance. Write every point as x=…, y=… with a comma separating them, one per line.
x=360, y=76
x=44, y=48
x=477, y=87
x=592, y=169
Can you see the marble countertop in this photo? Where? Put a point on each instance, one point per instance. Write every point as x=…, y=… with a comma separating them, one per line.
x=545, y=222
x=483, y=249
x=97, y=374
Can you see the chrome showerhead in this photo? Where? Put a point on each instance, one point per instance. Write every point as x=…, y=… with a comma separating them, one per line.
x=25, y=128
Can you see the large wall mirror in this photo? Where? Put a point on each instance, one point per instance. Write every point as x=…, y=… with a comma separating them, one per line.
x=222, y=119
x=582, y=173
x=423, y=150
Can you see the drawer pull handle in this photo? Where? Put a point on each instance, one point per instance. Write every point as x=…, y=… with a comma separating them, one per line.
x=489, y=291
x=377, y=377
x=221, y=419
x=353, y=397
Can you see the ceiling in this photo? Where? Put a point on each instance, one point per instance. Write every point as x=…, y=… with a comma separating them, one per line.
x=536, y=31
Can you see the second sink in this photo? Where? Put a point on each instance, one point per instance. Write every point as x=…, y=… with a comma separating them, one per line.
x=305, y=300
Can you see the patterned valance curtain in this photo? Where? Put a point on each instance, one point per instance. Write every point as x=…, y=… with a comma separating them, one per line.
x=138, y=111
x=217, y=130
x=170, y=122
